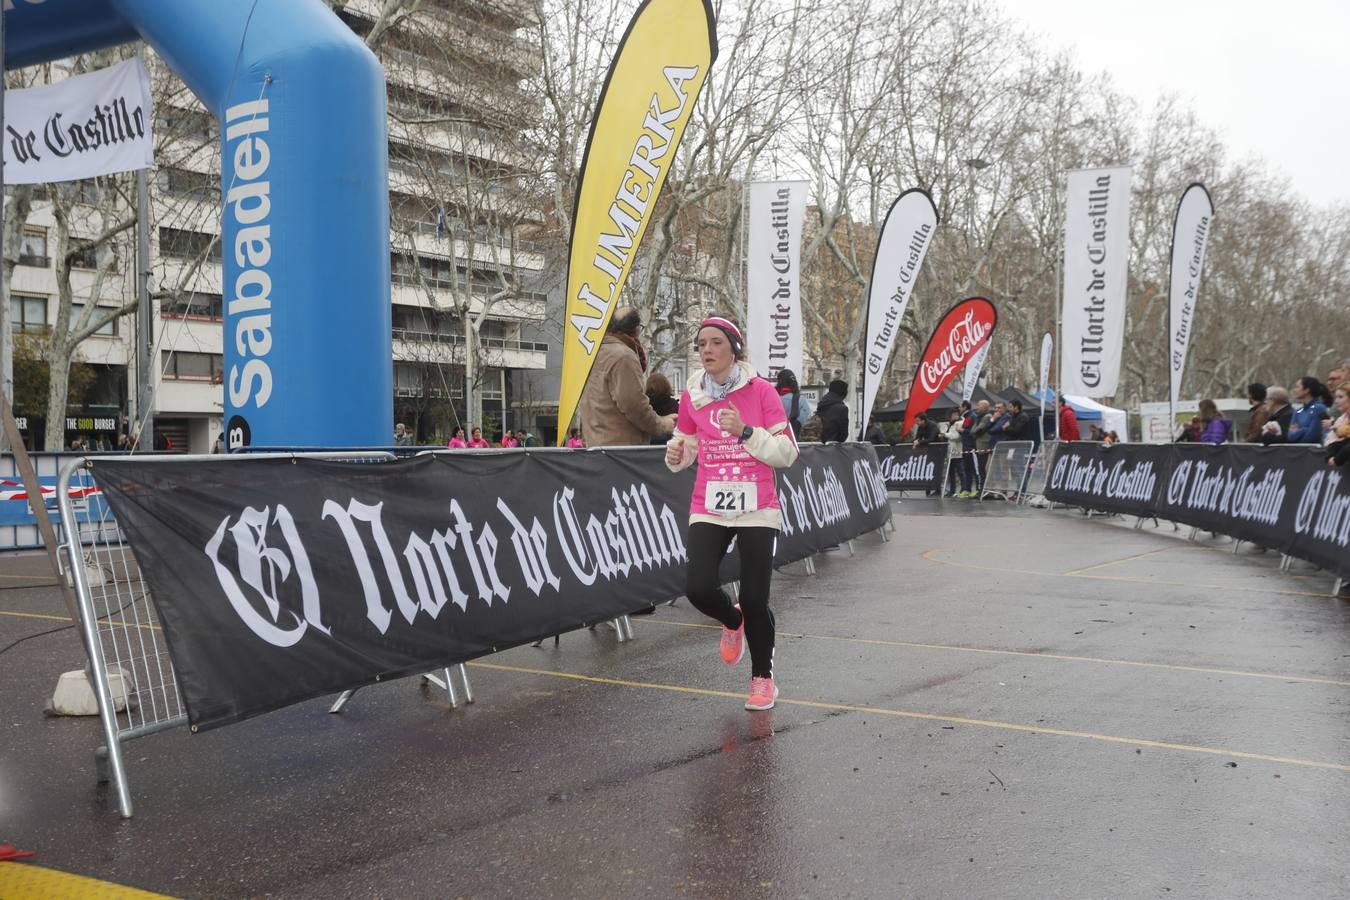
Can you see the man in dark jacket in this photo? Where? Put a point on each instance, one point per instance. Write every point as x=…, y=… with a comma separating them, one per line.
x=1018, y=423
x=925, y=432
x=833, y=413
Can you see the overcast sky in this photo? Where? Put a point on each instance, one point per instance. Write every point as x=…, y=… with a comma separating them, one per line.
x=1272, y=78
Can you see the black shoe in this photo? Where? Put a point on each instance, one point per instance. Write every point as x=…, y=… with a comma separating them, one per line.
x=644, y=612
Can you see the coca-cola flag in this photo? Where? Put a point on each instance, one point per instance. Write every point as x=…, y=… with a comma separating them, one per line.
x=965, y=328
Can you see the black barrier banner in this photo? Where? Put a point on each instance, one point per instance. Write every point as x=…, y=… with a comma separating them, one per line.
x=1284, y=498
x=278, y=580
x=907, y=467
x=1121, y=478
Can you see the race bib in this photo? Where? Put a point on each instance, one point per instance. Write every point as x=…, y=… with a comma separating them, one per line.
x=730, y=498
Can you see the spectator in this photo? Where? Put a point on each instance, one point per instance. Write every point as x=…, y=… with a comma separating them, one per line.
x=1068, y=421
x=833, y=412
x=968, y=445
x=574, y=441
x=925, y=431
x=219, y=445
x=1338, y=435
x=1278, y=416
x=659, y=396
x=1190, y=433
x=999, y=426
x=1339, y=374
x=1111, y=438
x=1018, y=423
x=509, y=441
x=874, y=434
x=1214, y=428
x=1095, y=434
x=1305, y=425
x=402, y=438
x=796, y=407
x=984, y=420
x=952, y=432
x=476, y=441
x=1256, y=400
x=615, y=411
x=457, y=441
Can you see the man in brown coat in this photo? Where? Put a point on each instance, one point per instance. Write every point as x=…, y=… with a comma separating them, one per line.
x=615, y=411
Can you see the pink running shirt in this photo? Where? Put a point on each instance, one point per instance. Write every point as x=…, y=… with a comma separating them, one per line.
x=721, y=456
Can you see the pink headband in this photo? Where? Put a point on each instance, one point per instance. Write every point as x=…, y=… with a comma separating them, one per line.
x=726, y=326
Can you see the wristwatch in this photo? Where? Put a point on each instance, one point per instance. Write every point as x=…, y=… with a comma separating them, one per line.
x=745, y=434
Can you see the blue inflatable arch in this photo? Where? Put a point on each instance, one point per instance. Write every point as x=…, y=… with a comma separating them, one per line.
x=304, y=159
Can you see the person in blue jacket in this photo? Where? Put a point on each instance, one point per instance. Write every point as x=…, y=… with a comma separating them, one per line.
x=1305, y=426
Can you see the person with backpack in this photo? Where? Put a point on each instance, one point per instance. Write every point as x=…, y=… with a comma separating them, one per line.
x=797, y=408
x=731, y=422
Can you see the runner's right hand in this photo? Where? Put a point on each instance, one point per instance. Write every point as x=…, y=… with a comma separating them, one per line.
x=674, y=453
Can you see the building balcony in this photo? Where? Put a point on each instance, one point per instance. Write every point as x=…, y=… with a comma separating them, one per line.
x=408, y=290
x=449, y=349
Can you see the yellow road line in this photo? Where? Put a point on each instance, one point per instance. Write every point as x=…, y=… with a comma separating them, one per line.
x=1123, y=578
x=1115, y=561
x=881, y=642
x=102, y=622
x=932, y=717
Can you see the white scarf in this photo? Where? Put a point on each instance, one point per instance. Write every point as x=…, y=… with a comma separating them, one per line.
x=718, y=392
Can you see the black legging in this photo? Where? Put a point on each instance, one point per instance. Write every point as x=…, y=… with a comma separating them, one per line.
x=707, y=545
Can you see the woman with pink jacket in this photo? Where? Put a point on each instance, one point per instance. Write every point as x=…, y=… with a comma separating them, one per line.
x=732, y=424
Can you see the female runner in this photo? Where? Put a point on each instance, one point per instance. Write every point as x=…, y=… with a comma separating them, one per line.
x=732, y=424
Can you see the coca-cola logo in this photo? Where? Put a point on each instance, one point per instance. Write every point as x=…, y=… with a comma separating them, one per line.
x=963, y=331
x=962, y=341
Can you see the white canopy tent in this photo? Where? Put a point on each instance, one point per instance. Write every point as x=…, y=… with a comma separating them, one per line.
x=1113, y=419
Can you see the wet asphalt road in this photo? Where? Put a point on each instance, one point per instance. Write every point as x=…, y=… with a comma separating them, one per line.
x=998, y=703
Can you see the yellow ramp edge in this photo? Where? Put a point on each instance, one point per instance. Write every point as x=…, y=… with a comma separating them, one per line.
x=24, y=881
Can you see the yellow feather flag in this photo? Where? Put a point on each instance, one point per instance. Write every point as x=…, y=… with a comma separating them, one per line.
x=645, y=104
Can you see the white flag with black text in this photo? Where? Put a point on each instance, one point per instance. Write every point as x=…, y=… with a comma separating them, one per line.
x=82, y=127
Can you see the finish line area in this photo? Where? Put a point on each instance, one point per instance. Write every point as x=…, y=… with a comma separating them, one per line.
x=1001, y=701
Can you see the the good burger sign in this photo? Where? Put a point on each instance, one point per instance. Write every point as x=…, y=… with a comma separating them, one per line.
x=965, y=328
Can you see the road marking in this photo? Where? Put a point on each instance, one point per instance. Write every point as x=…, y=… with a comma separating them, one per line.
x=881, y=642
x=1115, y=561
x=1122, y=578
x=931, y=717
x=101, y=622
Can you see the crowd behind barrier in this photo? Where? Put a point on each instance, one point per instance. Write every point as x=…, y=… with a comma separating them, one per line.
x=391, y=568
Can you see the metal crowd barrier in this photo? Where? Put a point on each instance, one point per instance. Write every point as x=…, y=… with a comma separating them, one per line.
x=1038, y=470
x=130, y=670
x=1008, y=462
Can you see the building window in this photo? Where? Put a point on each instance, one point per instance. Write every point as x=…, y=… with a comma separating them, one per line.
x=182, y=244
x=108, y=329
x=192, y=305
x=33, y=247
x=182, y=366
x=85, y=256
x=185, y=182
x=28, y=313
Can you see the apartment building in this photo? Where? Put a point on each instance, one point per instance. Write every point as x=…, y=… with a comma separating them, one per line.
x=460, y=276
